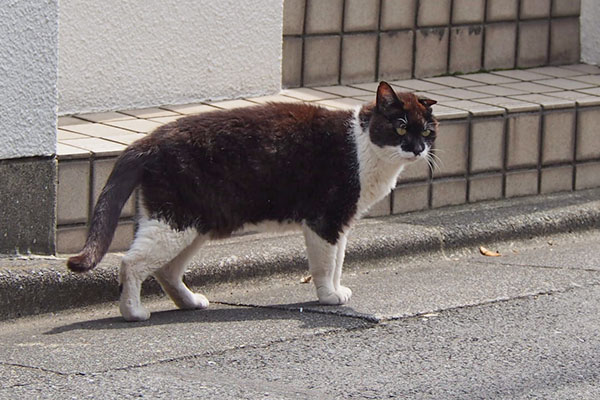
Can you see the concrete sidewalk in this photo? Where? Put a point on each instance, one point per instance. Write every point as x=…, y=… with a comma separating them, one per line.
x=37, y=285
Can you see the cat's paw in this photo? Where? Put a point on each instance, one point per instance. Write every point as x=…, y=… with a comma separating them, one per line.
x=193, y=301
x=133, y=313
x=334, y=297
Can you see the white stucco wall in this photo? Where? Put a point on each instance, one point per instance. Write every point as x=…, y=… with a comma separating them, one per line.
x=590, y=31
x=116, y=54
x=28, y=68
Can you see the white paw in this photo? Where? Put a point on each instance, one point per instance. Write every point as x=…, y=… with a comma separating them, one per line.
x=133, y=313
x=193, y=301
x=334, y=297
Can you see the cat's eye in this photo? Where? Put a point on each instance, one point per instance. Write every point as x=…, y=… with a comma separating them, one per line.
x=426, y=133
x=401, y=131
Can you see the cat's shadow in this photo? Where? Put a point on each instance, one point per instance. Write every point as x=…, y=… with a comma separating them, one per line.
x=310, y=314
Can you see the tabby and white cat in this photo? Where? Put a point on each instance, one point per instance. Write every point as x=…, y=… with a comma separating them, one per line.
x=298, y=165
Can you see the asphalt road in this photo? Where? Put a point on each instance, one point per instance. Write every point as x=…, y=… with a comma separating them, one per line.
x=443, y=326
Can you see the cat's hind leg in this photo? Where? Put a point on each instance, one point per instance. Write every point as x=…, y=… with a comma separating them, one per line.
x=154, y=246
x=323, y=267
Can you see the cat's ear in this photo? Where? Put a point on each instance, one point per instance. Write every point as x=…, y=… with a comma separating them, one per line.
x=387, y=98
x=427, y=102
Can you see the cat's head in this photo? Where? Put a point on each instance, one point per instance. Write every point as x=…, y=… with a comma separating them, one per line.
x=402, y=125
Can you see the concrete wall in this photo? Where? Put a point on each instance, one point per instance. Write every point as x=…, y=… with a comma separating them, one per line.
x=28, y=68
x=118, y=54
x=590, y=31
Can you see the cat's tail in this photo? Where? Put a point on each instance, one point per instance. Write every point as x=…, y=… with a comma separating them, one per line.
x=124, y=178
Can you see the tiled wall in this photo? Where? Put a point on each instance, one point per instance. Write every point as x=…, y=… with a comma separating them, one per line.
x=343, y=41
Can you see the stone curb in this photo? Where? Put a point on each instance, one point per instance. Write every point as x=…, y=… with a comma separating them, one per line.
x=35, y=285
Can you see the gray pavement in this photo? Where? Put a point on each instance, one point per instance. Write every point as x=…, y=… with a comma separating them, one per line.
x=447, y=324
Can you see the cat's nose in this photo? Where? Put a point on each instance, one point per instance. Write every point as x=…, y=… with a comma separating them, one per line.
x=418, y=149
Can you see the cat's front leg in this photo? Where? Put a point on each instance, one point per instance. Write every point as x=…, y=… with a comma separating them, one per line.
x=323, y=266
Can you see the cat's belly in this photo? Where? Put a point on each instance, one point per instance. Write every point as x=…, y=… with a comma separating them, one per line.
x=272, y=226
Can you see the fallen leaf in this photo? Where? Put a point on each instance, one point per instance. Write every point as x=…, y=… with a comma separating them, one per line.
x=488, y=253
x=306, y=279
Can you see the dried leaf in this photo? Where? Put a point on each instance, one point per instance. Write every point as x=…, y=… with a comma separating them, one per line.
x=488, y=253
x=306, y=279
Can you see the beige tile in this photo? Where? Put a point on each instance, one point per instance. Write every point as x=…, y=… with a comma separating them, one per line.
x=72, y=199
x=533, y=43
x=343, y=103
x=556, y=72
x=193, y=108
x=61, y=135
x=277, y=98
x=102, y=169
x=564, y=41
x=499, y=46
x=448, y=192
x=582, y=68
x=475, y=108
x=535, y=9
x=417, y=171
x=435, y=96
x=410, y=197
x=451, y=81
x=343, y=91
x=70, y=240
x=465, y=49
x=308, y=94
x=231, y=104
x=105, y=116
x=361, y=15
x=588, y=145
x=522, y=75
x=369, y=87
x=398, y=14
x=452, y=149
x=502, y=10
x=136, y=125
x=587, y=176
x=323, y=16
x=433, y=12
x=448, y=113
x=396, y=55
x=291, y=65
x=530, y=87
x=64, y=121
x=321, y=60
x=547, y=102
x=488, y=79
x=66, y=152
x=418, y=84
x=521, y=183
x=562, y=83
x=359, y=53
x=98, y=146
x=381, y=208
x=432, y=52
x=468, y=11
x=487, y=144
x=496, y=90
x=293, y=17
x=165, y=120
x=558, y=133
x=124, y=235
x=485, y=187
x=126, y=139
x=564, y=8
x=97, y=130
x=582, y=99
x=463, y=94
x=149, y=113
x=510, y=105
x=556, y=179
x=366, y=99
x=523, y=140
x=591, y=79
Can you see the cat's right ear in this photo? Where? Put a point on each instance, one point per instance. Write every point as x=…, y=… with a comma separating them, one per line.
x=387, y=98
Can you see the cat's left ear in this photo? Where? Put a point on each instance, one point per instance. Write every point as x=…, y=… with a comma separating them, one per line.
x=387, y=98
x=427, y=102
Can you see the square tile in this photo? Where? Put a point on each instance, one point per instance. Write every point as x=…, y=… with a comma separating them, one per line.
x=496, y=90
x=293, y=17
x=291, y=63
x=163, y=120
x=564, y=41
x=137, y=125
x=343, y=91
x=452, y=149
x=588, y=145
x=62, y=135
x=342, y=103
x=70, y=240
x=488, y=79
x=434, y=96
x=582, y=99
x=124, y=235
x=410, y=197
x=556, y=179
x=510, y=105
x=395, y=55
x=523, y=140
x=398, y=14
x=530, y=87
x=448, y=192
x=502, y=10
x=522, y=75
x=126, y=139
x=105, y=116
x=468, y=11
x=432, y=52
x=587, y=175
x=462, y=94
x=359, y=53
x=433, y=12
x=418, y=84
x=64, y=121
x=452, y=81
x=521, y=183
x=533, y=43
x=96, y=130
x=66, y=152
x=98, y=146
x=465, y=49
x=547, y=102
x=499, y=46
x=562, y=83
x=417, y=171
x=448, y=113
x=558, y=137
x=73, y=191
x=148, y=113
x=321, y=60
x=582, y=68
x=381, y=208
x=323, y=16
x=369, y=87
x=192, y=108
x=556, y=72
x=232, y=104
x=101, y=171
x=485, y=187
x=565, y=8
x=361, y=15
x=475, y=108
x=487, y=144
x=535, y=9
x=308, y=94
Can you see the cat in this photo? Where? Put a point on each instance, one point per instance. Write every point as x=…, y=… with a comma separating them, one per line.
x=296, y=165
